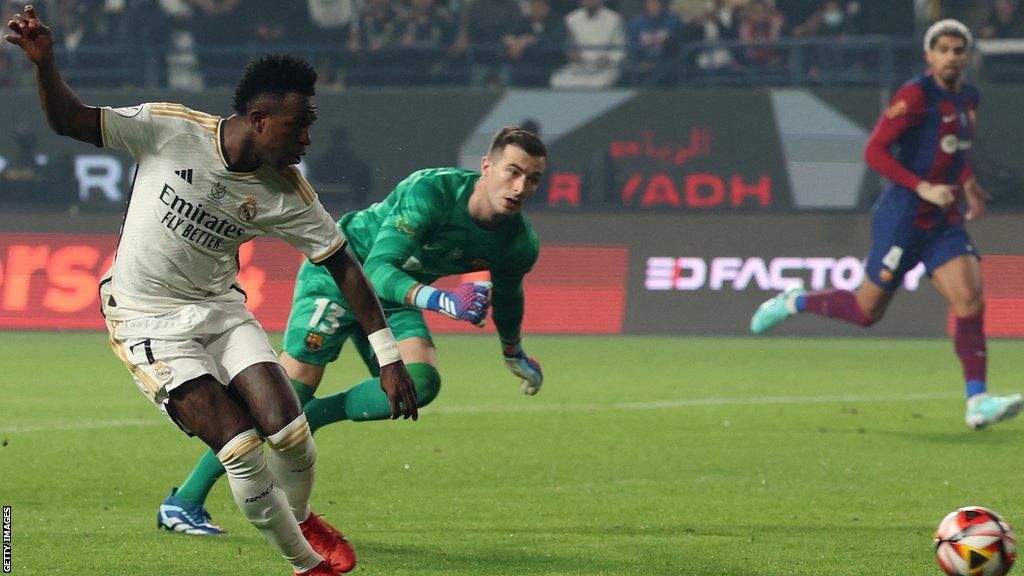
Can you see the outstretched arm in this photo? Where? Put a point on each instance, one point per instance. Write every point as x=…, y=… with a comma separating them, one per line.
x=421, y=207
x=510, y=305
x=394, y=378
x=65, y=113
x=392, y=248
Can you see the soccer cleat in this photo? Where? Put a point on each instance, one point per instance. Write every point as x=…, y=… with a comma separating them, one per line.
x=991, y=409
x=321, y=569
x=177, y=515
x=329, y=543
x=775, y=310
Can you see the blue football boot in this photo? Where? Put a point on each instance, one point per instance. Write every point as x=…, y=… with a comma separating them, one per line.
x=177, y=515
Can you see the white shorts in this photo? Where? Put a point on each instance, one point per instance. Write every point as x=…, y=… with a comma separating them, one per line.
x=165, y=351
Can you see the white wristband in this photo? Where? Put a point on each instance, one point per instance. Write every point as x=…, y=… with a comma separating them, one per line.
x=384, y=346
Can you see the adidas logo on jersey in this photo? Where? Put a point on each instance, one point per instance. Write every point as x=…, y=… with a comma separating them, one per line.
x=185, y=174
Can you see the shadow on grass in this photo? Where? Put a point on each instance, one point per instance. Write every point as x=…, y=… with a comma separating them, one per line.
x=625, y=550
x=513, y=560
x=1008, y=435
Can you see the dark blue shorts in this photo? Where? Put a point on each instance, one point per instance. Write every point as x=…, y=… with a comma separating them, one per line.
x=897, y=246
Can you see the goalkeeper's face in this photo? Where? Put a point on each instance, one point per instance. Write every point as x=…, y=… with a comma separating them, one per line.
x=510, y=178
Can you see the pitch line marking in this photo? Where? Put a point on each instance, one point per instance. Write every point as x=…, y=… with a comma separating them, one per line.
x=699, y=402
x=66, y=425
x=69, y=425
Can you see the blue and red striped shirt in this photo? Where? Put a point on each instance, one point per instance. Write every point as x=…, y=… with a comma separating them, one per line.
x=934, y=129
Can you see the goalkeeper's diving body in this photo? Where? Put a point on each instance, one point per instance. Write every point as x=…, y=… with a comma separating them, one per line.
x=435, y=223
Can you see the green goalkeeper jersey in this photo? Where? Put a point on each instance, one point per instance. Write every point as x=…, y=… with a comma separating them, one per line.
x=422, y=231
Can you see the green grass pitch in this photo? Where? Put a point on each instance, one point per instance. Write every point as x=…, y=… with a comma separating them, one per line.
x=640, y=456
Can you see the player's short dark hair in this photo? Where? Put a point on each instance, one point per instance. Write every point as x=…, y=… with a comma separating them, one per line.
x=516, y=136
x=276, y=74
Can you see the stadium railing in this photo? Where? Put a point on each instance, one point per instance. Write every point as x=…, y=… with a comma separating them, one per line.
x=1003, y=59
x=862, y=60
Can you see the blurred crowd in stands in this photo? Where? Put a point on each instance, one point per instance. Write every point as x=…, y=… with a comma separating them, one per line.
x=197, y=44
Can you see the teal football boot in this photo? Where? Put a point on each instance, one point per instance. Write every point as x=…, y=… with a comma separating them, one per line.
x=992, y=409
x=775, y=310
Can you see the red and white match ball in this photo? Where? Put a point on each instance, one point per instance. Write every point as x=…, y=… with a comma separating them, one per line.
x=975, y=541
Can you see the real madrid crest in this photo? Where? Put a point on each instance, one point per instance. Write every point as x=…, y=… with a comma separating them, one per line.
x=247, y=211
x=162, y=371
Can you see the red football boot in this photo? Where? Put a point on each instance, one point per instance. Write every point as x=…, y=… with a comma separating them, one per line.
x=322, y=569
x=329, y=543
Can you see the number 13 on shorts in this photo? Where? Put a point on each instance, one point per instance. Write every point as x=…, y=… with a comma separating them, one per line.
x=325, y=318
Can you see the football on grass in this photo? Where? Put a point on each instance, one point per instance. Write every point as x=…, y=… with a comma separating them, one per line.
x=975, y=541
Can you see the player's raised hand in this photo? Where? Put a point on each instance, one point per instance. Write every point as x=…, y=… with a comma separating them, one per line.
x=524, y=367
x=396, y=382
x=31, y=35
x=939, y=194
x=977, y=199
x=469, y=302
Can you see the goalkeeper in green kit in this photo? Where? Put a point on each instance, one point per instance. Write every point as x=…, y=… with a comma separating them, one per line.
x=437, y=222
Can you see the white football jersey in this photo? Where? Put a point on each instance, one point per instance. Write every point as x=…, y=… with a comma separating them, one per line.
x=187, y=214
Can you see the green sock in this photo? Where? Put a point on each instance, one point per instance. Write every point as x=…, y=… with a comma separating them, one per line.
x=303, y=391
x=325, y=409
x=197, y=486
x=366, y=401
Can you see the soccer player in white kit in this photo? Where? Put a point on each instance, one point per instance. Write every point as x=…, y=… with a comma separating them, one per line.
x=175, y=315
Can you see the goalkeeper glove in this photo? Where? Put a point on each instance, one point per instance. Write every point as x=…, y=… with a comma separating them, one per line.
x=524, y=367
x=469, y=302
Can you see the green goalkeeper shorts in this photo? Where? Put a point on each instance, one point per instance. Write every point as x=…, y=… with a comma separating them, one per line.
x=320, y=321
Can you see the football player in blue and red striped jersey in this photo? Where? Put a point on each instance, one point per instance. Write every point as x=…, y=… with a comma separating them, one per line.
x=919, y=217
